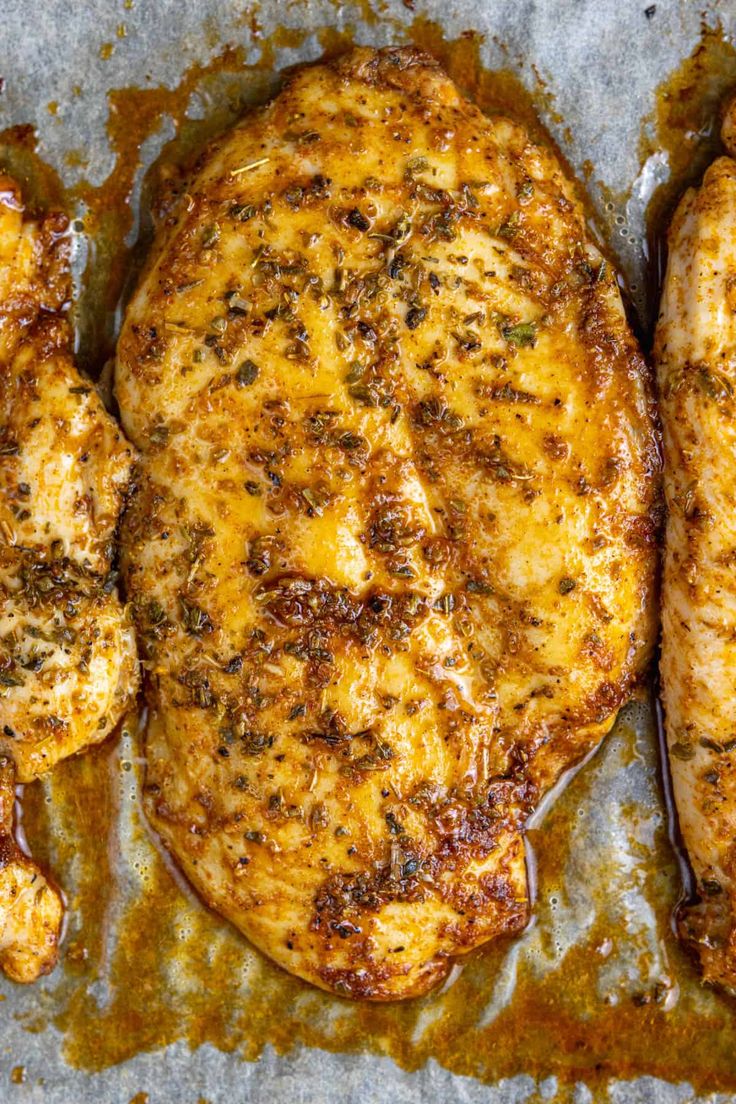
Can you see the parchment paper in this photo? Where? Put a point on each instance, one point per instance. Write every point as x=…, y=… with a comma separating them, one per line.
x=600, y=62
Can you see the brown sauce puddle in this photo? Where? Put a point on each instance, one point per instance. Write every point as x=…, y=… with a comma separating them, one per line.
x=685, y=125
x=144, y=963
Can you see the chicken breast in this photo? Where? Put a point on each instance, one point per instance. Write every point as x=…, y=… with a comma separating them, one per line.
x=695, y=347
x=68, y=665
x=392, y=549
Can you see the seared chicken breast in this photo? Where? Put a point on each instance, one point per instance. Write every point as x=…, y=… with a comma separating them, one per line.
x=68, y=666
x=695, y=346
x=392, y=549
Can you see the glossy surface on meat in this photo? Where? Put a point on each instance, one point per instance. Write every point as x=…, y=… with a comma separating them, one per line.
x=696, y=337
x=67, y=655
x=391, y=552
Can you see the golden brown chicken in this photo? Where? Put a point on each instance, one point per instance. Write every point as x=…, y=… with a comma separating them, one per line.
x=392, y=549
x=67, y=656
x=695, y=345
x=31, y=908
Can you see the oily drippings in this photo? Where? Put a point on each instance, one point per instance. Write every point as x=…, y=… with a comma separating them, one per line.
x=41, y=185
x=588, y=992
x=118, y=242
x=597, y=987
x=684, y=128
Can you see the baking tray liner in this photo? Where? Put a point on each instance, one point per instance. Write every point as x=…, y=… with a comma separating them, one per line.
x=593, y=69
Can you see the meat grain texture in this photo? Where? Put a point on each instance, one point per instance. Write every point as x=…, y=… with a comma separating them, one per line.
x=391, y=551
x=694, y=348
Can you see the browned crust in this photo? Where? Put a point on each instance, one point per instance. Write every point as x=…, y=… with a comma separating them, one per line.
x=308, y=616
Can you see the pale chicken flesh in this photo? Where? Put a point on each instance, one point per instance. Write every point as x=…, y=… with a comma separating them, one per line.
x=68, y=665
x=695, y=351
x=392, y=548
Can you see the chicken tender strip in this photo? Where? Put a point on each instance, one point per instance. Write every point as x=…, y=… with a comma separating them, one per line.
x=68, y=666
x=695, y=351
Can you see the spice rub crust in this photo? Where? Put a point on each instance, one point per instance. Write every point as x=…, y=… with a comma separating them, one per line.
x=392, y=549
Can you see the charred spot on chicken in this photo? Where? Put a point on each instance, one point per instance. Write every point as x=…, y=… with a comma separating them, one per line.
x=391, y=552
